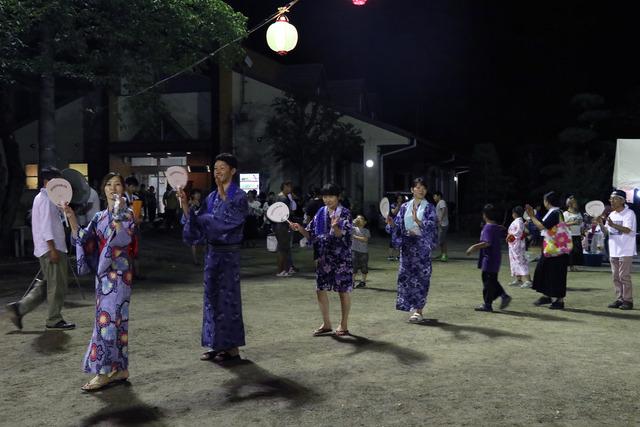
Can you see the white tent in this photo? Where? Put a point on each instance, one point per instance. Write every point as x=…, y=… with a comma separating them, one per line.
x=626, y=170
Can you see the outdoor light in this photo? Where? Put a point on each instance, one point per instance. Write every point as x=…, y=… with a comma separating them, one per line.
x=455, y=178
x=359, y=2
x=369, y=163
x=282, y=37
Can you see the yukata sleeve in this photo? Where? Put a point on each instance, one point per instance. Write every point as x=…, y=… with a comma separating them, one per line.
x=519, y=230
x=429, y=227
x=346, y=225
x=86, y=243
x=398, y=230
x=311, y=227
x=125, y=233
x=193, y=232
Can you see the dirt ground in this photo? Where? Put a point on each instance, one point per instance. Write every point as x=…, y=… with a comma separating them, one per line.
x=521, y=367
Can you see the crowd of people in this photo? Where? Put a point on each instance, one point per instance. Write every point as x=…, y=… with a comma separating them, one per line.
x=222, y=222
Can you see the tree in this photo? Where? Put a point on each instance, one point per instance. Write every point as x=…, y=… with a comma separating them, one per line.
x=102, y=43
x=488, y=183
x=305, y=135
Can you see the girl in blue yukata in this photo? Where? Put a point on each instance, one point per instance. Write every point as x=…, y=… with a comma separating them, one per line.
x=414, y=231
x=330, y=233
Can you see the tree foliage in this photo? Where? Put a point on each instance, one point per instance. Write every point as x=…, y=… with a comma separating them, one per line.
x=305, y=135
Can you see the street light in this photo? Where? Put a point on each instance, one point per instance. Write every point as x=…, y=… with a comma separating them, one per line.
x=369, y=163
x=282, y=37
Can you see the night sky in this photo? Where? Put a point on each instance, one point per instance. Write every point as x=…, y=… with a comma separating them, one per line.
x=468, y=71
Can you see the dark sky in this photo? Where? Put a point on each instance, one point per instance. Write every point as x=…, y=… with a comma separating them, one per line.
x=469, y=71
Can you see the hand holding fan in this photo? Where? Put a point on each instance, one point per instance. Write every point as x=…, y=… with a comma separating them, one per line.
x=60, y=193
x=177, y=176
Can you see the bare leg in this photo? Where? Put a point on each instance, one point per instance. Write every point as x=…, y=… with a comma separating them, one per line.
x=323, y=302
x=345, y=305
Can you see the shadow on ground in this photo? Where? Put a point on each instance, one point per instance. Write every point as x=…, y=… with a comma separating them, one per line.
x=123, y=408
x=50, y=342
x=460, y=331
x=253, y=383
x=539, y=316
x=404, y=355
x=611, y=314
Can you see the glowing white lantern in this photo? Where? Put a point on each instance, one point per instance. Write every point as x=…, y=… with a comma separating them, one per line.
x=359, y=2
x=282, y=37
x=369, y=163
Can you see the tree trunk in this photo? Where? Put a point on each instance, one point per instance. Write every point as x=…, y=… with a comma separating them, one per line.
x=11, y=173
x=47, y=123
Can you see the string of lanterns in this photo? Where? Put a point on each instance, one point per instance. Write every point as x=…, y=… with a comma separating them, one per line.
x=282, y=36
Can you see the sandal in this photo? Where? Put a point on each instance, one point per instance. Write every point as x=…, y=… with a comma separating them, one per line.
x=342, y=332
x=102, y=381
x=208, y=355
x=223, y=357
x=322, y=331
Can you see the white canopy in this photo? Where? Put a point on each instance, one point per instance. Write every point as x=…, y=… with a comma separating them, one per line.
x=626, y=170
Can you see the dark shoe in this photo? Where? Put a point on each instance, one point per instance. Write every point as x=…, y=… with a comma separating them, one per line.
x=361, y=284
x=224, y=357
x=557, y=305
x=615, y=304
x=542, y=301
x=14, y=314
x=62, y=326
x=506, y=300
x=484, y=307
x=626, y=305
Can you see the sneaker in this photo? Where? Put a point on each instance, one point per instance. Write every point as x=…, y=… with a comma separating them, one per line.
x=61, y=326
x=615, y=304
x=283, y=273
x=526, y=285
x=444, y=258
x=506, y=300
x=557, y=305
x=626, y=305
x=516, y=283
x=416, y=318
x=542, y=301
x=14, y=314
x=361, y=284
x=292, y=271
x=484, y=307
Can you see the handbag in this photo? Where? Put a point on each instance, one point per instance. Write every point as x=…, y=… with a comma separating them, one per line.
x=272, y=243
x=557, y=240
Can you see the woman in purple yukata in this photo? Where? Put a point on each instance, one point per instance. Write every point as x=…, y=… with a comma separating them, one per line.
x=414, y=232
x=219, y=224
x=103, y=247
x=330, y=234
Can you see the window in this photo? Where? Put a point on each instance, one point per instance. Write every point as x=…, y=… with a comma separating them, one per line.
x=31, y=171
x=83, y=168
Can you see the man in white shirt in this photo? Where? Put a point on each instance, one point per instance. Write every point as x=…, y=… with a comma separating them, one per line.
x=442, y=214
x=621, y=228
x=50, y=247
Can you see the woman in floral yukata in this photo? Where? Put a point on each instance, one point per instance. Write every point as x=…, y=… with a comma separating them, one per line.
x=103, y=247
x=414, y=232
x=330, y=234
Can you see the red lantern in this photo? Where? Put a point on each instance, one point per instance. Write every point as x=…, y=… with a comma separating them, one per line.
x=359, y=2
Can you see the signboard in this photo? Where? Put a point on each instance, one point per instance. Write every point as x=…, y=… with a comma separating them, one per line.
x=250, y=181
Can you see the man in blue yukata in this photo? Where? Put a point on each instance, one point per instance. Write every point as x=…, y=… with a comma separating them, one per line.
x=218, y=224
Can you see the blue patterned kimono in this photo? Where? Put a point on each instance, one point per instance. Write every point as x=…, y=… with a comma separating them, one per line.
x=414, y=275
x=219, y=224
x=105, y=251
x=334, y=270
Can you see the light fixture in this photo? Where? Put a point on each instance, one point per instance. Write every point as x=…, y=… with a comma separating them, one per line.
x=168, y=154
x=188, y=152
x=282, y=37
x=359, y=2
x=148, y=154
x=369, y=163
x=455, y=178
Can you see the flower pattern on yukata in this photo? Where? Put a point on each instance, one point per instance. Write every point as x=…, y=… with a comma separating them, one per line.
x=517, y=248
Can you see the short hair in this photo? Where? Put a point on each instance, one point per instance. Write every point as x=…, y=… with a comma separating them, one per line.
x=49, y=173
x=552, y=198
x=195, y=191
x=518, y=210
x=363, y=217
x=106, y=179
x=437, y=193
x=330, y=189
x=131, y=180
x=490, y=212
x=284, y=184
x=228, y=158
x=419, y=181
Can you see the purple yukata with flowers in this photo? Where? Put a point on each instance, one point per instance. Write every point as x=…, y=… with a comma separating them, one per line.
x=334, y=271
x=414, y=275
x=105, y=250
x=219, y=224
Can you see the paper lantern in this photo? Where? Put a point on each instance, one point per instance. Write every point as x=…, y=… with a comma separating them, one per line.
x=282, y=37
x=359, y=2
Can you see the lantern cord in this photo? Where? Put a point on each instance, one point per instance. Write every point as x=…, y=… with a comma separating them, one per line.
x=281, y=11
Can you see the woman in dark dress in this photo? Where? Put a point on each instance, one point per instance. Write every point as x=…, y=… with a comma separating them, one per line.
x=550, y=278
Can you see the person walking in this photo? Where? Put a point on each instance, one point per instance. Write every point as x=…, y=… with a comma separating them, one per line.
x=442, y=212
x=573, y=219
x=50, y=247
x=516, y=241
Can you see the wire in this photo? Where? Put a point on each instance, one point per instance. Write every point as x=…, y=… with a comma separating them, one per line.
x=281, y=10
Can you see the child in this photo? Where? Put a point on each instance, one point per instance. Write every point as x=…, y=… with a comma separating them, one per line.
x=489, y=260
x=517, y=250
x=360, y=249
x=330, y=234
